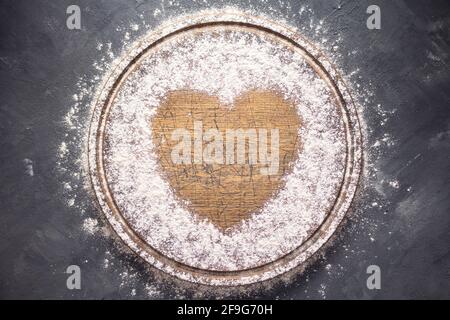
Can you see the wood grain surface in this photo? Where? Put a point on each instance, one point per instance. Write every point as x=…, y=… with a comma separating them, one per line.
x=225, y=194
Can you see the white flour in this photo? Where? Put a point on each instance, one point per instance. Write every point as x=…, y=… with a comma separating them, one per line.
x=225, y=65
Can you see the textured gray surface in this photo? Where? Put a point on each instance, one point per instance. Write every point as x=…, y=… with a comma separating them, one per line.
x=406, y=64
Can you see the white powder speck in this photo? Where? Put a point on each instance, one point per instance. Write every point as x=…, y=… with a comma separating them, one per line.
x=28, y=167
x=152, y=291
x=63, y=149
x=157, y=12
x=90, y=225
x=127, y=278
x=71, y=202
x=322, y=291
x=394, y=184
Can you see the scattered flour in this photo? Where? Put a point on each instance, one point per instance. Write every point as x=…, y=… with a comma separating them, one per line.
x=90, y=225
x=224, y=64
x=28, y=167
x=394, y=184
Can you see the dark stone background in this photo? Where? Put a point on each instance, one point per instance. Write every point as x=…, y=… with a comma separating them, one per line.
x=406, y=64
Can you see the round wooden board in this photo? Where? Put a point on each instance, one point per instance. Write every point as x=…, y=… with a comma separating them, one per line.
x=210, y=199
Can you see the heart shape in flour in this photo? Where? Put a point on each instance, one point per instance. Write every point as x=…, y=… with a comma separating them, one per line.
x=225, y=162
